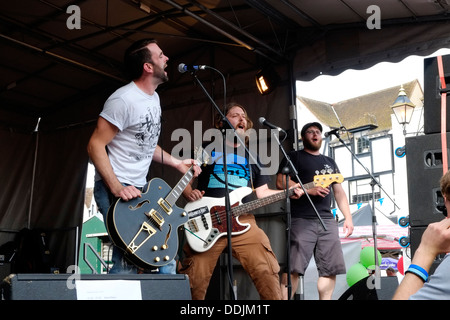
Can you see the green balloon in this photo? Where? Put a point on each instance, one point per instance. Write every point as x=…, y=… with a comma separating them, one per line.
x=367, y=257
x=355, y=273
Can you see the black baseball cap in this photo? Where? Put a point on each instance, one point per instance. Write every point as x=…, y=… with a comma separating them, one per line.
x=311, y=124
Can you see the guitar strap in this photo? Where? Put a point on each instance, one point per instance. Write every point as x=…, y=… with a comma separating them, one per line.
x=443, y=113
x=251, y=175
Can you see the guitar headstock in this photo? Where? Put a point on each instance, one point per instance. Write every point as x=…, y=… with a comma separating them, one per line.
x=201, y=156
x=324, y=180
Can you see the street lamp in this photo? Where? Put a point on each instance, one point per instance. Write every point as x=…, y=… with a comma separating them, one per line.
x=403, y=109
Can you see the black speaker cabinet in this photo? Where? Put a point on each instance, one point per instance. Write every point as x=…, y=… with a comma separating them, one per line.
x=415, y=234
x=60, y=286
x=424, y=160
x=432, y=94
x=361, y=291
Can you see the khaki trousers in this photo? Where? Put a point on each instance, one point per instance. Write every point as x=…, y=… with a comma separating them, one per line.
x=252, y=249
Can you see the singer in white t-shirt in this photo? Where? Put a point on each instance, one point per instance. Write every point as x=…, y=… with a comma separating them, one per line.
x=124, y=143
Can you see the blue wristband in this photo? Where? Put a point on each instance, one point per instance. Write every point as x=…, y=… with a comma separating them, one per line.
x=418, y=271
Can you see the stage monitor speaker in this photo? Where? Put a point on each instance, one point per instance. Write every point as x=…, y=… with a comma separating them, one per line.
x=424, y=160
x=415, y=234
x=361, y=291
x=432, y=94
x=56, y=286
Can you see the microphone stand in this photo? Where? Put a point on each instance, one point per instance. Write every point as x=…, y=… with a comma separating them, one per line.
x=287, y=170
x=373, y=182
x=288, y=233
x=227, y=124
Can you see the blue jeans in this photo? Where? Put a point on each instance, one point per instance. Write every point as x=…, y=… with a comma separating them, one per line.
x=104, y=199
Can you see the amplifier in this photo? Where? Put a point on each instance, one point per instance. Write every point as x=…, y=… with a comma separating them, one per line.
x=96, y=287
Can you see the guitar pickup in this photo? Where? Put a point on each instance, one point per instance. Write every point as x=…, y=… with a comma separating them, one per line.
x=205, y=222
x=147, y=230
x=165, y=205
x=156, y=217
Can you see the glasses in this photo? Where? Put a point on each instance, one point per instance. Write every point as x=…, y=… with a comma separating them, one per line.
x=313, y=132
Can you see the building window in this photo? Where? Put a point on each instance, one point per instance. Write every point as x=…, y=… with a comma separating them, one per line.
x=366, y=197
x=375, y=155
x=361, y=191
x=362, y=145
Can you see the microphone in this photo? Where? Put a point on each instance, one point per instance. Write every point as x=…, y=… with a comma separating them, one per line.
x=182, y=68
x=263, y=121
x=331, y=132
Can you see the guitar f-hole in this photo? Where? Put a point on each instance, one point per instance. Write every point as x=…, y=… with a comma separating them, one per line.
x=139, y=205
x=165, y=246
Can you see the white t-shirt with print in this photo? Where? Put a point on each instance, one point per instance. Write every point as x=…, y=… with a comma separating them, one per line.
x=137, y=115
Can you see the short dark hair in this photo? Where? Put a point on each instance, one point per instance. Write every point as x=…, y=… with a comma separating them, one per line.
x=135, y=57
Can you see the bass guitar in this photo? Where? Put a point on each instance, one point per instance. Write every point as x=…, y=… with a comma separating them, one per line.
x=146, y=228
x=207, y=216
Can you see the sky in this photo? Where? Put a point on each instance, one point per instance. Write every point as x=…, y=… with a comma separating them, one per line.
x=354, y=83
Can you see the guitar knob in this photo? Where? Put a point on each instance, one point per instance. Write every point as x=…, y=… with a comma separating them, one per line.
x=166, y=258
x=154, y=248
x=164, y=247
x=157, y=259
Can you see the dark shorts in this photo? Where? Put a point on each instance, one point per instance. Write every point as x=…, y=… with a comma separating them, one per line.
x=308, y=237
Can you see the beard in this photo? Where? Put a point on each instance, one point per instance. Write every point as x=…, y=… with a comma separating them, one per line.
x=161, y=74
x=310, y=145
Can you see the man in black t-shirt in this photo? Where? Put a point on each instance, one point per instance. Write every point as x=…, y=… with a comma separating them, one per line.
x=308, y=237
x=252, y=247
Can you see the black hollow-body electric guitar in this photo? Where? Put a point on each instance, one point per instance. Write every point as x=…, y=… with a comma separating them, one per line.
x=146, y=228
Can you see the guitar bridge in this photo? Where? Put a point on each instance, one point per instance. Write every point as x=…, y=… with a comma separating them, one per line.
x=145, y=229
x=156, y=217
x=192, y=225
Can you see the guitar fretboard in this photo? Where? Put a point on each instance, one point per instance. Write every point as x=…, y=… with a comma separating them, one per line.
x=176, y=192
x=255, y=204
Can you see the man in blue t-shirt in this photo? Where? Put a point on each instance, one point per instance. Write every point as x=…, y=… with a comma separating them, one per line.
x=251, y=247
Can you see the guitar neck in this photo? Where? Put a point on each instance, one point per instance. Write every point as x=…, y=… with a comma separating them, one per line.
x=255, y=204
x=176, y=192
